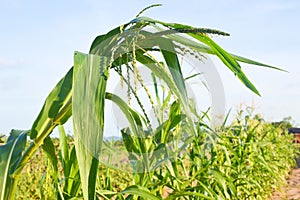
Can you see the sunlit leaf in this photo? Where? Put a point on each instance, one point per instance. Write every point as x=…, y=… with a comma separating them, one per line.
x=56, y=109
x=140, y=191
x=10, y=155
x=89, y=85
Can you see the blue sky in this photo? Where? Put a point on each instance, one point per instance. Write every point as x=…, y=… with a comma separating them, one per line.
x=37, y=41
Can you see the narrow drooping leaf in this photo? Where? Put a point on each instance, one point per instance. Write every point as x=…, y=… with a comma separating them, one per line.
x=134, y=119
x=227, y=59
x=89, y=86
x=159, y=71
x=10, y=155
x=49, y=149
x=56, y=109
x=178, y=89
x=170, y=56
x=253, y=62
x=206, y=49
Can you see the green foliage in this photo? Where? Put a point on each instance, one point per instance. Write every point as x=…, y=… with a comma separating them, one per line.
x=89, y=88
x=29, y=185
x=71, y=182
x=248, y=160
x=56, y=109
x=10, y=155
x=181, y=158
x=2, y=138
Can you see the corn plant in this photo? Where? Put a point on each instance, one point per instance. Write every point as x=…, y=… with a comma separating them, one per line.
x=66, y=182
x=82, y=93
x=249, y=160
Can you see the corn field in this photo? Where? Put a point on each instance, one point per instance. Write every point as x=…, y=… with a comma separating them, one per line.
x=182, y=157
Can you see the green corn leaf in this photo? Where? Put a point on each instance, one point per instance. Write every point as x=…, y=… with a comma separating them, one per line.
x=253, y=62
x=108, y=38
x=208, y=189
x=222, y=181
x=134, y=119
x=140, y=191
x=56, y=109
x=162, y=74
x=225, y=57
x=206, y=49
x=41, y=184
x=89, y=85
x=63, y=148
x=228, y=60
x=10, y=155
x=103, y=194
x=167, y=126
x=168, y=52
x=73, y=185
x=70, y=166
x=49, y=149
x=130, y=144
x=188, y=194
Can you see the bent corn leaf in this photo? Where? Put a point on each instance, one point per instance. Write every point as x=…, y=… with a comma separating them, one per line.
x=57, y=100
x=168, y=52
x=10, y=154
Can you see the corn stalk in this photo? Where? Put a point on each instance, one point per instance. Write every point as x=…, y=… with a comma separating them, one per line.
x=82, y=92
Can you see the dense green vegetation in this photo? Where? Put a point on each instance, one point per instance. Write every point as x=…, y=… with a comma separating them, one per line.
x=180, y=158
x=251, y=158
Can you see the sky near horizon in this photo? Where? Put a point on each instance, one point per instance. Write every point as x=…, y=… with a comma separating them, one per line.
x=37, y=41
